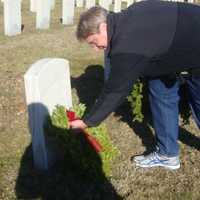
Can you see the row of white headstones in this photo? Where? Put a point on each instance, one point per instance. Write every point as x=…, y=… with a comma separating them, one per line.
x=13, y=17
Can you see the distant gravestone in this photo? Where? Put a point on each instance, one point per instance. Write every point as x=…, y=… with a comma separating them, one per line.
x=117, y=5
x=90, y=3
x=79, y=3
x=12, y=17
x=52, y=4
x=33, y=5
x=43, y=14
x=105, y=4
x=129, y=2
x=47, y=83
x=68, y=11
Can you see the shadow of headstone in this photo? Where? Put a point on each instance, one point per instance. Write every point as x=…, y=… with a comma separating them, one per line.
x=43, y=147
x=76, y=174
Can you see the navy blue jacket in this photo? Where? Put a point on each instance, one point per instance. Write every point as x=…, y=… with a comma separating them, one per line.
x=150, y=38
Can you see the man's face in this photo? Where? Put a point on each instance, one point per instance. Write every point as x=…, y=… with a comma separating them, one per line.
x=98, y=41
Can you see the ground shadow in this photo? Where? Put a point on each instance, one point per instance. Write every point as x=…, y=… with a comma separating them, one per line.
x=76, y=175
x=89, y=84
x=145, y=133
x=189, y=139
x=185, y=136
x=141, y=129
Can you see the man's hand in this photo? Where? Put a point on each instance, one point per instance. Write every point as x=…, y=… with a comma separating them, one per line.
x=77, y=124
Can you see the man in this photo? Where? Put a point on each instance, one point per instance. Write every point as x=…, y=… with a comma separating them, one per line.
x=154, y=39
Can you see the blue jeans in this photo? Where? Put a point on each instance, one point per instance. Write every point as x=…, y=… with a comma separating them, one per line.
x=164, y=100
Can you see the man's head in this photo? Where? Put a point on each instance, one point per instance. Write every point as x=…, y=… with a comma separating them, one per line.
x=92, y=27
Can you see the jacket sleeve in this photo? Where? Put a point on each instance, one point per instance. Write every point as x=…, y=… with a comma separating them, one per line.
x=125, y=69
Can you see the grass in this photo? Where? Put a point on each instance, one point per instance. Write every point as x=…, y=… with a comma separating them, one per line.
x=18, y=178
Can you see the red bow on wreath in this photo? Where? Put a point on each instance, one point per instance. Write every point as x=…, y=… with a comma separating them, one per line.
x=91, y=140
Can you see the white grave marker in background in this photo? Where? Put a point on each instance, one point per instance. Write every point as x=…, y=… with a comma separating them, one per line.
x=79, y=3
x=68, y=11
x=33, y=4
x=52, y=4
x=117, y=5
x=12, y=17
x=90, y=3
x=129, y=2
x=105, y=4
x=47, y=83
x=43, y=14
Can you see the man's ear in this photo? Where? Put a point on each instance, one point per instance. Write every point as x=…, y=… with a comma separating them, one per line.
x=103, y=27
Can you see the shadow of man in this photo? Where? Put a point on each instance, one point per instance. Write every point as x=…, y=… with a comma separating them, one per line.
x=76, y=174
x=89, y=84
x=185, y=136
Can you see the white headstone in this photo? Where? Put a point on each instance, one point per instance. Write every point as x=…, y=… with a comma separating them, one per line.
x=117, y=5
x=47, y=83
x=90, y=3
x=12, y=17
x=43, y=14
x=79, y=3
x=129, y=2
x=33, y=5
x=68, y=11
x=52, y=4
x=105, y=4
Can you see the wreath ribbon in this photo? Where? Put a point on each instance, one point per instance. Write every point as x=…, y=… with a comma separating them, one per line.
x=91, y=140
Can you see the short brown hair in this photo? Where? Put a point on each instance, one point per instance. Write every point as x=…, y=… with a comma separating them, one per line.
x=89, y=22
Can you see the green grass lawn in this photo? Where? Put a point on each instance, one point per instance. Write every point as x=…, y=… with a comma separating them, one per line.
x=19, y=179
